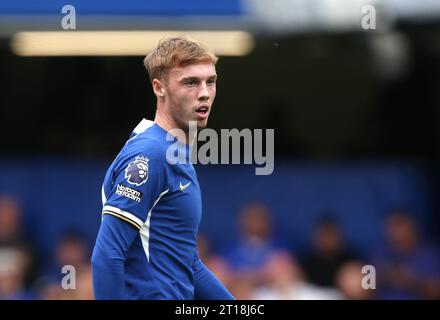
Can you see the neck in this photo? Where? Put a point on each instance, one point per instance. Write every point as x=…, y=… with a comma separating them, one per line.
x=166, y=122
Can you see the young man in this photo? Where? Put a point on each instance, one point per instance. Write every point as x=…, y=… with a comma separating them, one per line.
x=146, y=247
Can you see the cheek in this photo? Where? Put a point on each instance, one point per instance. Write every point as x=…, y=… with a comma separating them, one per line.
x=187, y=99
x=183, y=101
x=179, y=97
x=184, y=94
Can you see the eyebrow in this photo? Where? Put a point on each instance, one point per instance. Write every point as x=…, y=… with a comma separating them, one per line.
x=214, y=76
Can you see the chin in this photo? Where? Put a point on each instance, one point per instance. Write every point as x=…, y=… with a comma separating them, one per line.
x=202, y=124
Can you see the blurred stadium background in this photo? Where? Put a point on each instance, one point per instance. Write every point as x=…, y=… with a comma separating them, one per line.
x=356, y=118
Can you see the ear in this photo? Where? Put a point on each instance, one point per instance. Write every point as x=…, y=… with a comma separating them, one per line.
x=158, y=88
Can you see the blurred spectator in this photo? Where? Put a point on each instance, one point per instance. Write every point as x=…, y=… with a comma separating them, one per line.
x=349, y=281
x=12, y=275
x=409, y=267
x=283, y=280
x=10, y=221
x=49, y=290
x=327, y=254
x=83, y=289
x=240, y=287
x=71, y=250
x=255, y=243
x=12, y=238
x=218, y=266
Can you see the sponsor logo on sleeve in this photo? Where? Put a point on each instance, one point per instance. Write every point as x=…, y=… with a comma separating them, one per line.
x=130, y=193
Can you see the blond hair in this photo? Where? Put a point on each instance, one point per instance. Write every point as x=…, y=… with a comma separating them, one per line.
x=176, y=52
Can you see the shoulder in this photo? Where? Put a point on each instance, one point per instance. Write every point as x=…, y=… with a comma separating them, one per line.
x=147, y=150
x=140, y=159
x=147, y=146
x=141, y=153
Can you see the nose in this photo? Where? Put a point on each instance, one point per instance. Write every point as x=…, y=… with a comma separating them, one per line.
x=204, y=93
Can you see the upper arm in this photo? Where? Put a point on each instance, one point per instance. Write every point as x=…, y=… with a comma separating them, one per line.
x=114, y=238
x=138, y=180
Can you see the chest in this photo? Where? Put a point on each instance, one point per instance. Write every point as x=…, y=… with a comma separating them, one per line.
x=184, y=199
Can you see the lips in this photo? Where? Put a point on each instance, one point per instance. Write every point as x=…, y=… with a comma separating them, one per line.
x=202, y=111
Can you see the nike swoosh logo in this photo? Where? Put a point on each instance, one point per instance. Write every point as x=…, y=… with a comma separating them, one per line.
x=183, y=187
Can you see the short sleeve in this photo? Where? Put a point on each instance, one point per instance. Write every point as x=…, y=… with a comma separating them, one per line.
x=138, y=182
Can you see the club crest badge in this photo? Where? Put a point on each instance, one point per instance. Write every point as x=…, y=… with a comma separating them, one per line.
x=136, y=172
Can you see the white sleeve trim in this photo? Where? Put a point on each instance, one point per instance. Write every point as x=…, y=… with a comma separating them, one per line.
x=125, y=214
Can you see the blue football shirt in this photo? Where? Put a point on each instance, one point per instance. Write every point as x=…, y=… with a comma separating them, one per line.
x=162, y=201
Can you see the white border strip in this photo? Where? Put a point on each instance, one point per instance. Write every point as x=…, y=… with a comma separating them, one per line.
x=142, y=126
x=145, y=230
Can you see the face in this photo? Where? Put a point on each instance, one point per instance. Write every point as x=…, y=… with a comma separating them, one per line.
x=401, y=232
x=189, y=92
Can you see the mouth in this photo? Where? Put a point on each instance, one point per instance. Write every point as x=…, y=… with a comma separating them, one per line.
x=202, y=111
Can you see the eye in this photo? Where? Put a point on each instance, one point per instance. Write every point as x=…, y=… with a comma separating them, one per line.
x=191, y=83
x=210, y=82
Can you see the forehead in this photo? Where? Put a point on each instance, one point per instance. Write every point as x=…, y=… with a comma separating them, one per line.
x=197, y=70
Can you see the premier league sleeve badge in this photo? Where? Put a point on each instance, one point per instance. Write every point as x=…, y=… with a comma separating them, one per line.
x=136, y=172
